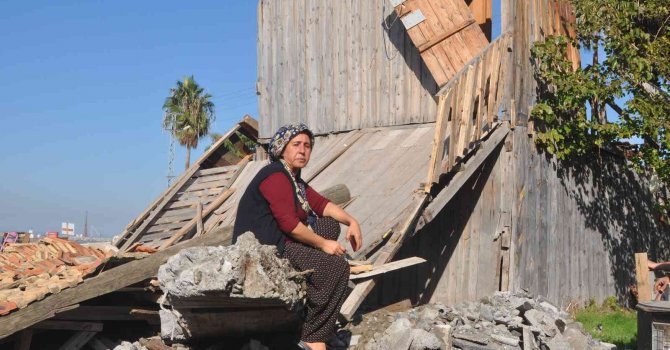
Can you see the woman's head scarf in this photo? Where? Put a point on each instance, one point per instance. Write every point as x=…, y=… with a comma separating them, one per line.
x=283, y=136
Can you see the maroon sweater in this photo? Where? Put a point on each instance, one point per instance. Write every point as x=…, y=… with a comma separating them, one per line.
x=278, y=191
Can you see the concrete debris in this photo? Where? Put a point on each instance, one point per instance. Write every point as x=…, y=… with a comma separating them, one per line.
x=504, y=320
x=246, y=269
x=130, y=346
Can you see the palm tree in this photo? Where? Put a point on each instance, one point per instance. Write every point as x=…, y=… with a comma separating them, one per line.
x=189, y=113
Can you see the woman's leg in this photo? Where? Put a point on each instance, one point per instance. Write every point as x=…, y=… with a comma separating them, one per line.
x=326, y=287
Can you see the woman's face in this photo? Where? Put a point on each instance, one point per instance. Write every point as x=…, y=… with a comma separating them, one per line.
x=297, y=152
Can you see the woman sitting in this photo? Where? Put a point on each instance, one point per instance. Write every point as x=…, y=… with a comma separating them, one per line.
x=281, y=209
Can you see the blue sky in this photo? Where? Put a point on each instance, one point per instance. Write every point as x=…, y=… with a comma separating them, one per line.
x=81, y=94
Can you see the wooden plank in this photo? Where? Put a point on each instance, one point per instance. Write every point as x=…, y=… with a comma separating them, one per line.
x=438, y=144
x=442, y=198
x=392, y=266
x=212, y=178
x=191, y=224
x=77, y=341
x=215, y=171
x=190, y=203
x=642, y=277
x=444, y=164
x=198, y=195
x=198, y=217
x=164, y=227
x=106, y=282
x=204, y=186
x=362, y=289
x=98, y=344
x=69, y=325
x=333, y=156
x=444, y=35
x=178, y=212
x=24, y=340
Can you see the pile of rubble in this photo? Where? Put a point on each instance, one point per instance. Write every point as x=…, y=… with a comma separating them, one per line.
x=244, y=270
x=503, y=321
x=30, y=271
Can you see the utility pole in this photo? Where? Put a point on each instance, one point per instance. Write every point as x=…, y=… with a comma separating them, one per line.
x=86, y=225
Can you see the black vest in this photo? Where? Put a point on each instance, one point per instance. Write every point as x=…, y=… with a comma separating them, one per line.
x=253, y=211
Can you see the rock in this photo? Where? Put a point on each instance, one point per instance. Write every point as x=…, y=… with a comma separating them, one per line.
x=486, y=313
x=245, y=269
x=539, y=320
x=466, y=345
x=130, y=346
x=423, y=340
x=576, y=339
x=471, y=336
x=561, y=324
x=506, y=340
x=560, y=343
x=444, y=333
x=397, y=336
x=170, y=325
x=525, y=306
x=429, y=313
x=607, y=346
x=353, y=341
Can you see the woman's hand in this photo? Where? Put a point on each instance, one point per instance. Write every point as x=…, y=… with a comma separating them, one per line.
x=661, y=284
x=332, y=247
x=651, y=265
x=354, y=235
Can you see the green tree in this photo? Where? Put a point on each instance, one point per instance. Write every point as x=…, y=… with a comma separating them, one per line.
x=189, y=113
x=631, y=78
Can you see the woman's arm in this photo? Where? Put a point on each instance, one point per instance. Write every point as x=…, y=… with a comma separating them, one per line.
x=664, y=265
x=353, y=230
x=303, y=234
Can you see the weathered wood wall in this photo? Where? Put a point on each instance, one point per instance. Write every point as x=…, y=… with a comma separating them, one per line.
x=336, y=66
x=574, y=232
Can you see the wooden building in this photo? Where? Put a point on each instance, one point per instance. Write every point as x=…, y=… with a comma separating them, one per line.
x=520, y=219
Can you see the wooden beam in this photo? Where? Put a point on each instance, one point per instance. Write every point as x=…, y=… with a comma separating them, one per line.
x=198, y=217
x=438, y=143
x=442, y=198
x=362, y=289
x=23, y=340
x=191, y=224
x=69, y=325
x=388, y=267
x=642, y=277
x=106, y=282
x=77, y=341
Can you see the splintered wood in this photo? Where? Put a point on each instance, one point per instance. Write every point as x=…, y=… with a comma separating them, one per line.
x=445, y=32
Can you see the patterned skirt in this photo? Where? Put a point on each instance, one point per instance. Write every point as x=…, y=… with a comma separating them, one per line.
x=326, y=286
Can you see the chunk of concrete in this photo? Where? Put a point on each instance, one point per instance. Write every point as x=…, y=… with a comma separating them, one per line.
x=245, y=269
x=505, y=339
x=422, y=340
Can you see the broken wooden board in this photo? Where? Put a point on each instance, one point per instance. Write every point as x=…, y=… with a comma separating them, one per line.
x=388, y=267
x=472, y=164
x=445, y=33
x=642, y=277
